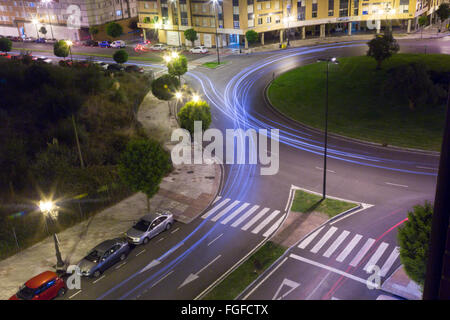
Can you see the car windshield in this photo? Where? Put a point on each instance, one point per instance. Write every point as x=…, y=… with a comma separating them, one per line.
x=142, y=225
x=94, y=256
x=26, y=293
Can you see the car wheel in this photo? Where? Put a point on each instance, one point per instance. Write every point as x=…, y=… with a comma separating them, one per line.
x=97, y=273
x=168, y=226
x=123, y=256
x=146, y=240
x=62, y=292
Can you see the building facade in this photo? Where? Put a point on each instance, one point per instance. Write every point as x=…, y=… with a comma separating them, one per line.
x=63, y=19
x=232, y=18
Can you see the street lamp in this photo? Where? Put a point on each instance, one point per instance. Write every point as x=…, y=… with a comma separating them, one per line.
x=46, y=2
x=216, y=3
x=334, y=61
x=288, y=19
x=35, y=22
x=49, y=209
x=195, y=98
x=69, y=44
x=178, y=96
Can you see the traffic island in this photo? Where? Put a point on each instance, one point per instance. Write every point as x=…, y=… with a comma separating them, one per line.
x=213, y=65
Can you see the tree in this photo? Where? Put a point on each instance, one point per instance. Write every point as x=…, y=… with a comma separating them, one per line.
x=413, y=239
x=191, y=35
x=93, y=31
x=178, y=66
x=165, y=87
x=61, y=49
x=43, y=30
x=195, y=111
x=423, y=21
x=120, y=56
x=133, y=24
x=443, y=12
x=382, y=47
x=251, y=36
x=413, y=82
x=142, y=166
x=5, y=44
x=114, y=30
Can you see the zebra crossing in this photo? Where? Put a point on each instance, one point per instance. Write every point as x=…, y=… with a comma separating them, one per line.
x=355, y=250
x=245, y=216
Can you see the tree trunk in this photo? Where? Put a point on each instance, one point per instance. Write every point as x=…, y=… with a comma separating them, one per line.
x=411, y=105
x=379, y=64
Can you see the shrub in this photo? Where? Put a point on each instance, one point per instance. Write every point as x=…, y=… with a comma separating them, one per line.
x=251, y=36
x=5, y=45
x=165, y=87
x=191, y=35
x=61, y=49
x=195, y=111
x=120, y=56
x=114, y=30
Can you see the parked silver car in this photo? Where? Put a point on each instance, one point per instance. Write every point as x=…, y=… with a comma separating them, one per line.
x=103, y=256
x=150, y=226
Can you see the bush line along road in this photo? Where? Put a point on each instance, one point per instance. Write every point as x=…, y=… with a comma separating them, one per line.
x=251, y=207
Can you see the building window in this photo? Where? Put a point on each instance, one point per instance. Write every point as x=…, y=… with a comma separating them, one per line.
x=258, y=6
x=356, y=7
x=118, y=13
x=330, y=8
x=404, y=6
x=260, y=21
x=268, y=5
x=277, y=19
x=277, y=5
x=314, y=9
x=236, y=24
x=251, y=23
x=343, y=8
x=268, y=19
x=146, y=5
x=236, y=3
x=301, y=10
x=250, y=9
x=235, y=10
x=250, y=2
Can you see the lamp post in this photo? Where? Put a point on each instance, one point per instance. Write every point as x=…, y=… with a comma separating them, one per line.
x=69, y=44
x=334, y=61
x=216, y=3
x=49, y=209
x=35, y=22
x=288, y=19
x=195, y=98
x=179, y=97
x=46, y=2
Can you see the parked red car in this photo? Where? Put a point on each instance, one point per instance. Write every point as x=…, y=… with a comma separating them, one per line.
x=45, y=286
x=5, y=55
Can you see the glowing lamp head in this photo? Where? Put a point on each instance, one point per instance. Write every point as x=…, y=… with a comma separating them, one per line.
x=178, y=95
x=174, y=54
x=195, y=98
x=69, y=43
x=46, y=206
x=34, y=21
x=167, y=58
x=333, y=59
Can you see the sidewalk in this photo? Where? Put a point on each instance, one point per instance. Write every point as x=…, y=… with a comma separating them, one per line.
x=400, y=285
x=187, y=191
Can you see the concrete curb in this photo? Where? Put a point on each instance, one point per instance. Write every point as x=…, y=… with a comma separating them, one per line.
x=341, y=137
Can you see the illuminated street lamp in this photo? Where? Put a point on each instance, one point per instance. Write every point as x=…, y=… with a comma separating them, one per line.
x=195, y=98
x=334, y=61
x=70, y=44
x=174, y=54
x=216, y=3
x=49, y=209
x=288, y=21
x=178, y=96
x=35, y=22
x=46, y=2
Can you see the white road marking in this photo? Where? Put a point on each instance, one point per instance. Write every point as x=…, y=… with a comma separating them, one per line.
x=261, y=282
x=364, y=206
x=217, y=199
x=274, y=227
x=194, y=276
x=426, y=168
x=324, y=239
x=376, y=256
x=210, y=263
x=336, y=243
x=389, y=262
x=224, y=211
x=266, y=221
x=175, y=230
x=318, y=286
x=310, y=238
x=255, y=219
x=320, y=265
x=396, y=185
x=286, y=283
x=291, y=194
x=215, y=239
x=245, y=216
x=235, y=213
x=159, y=240
x=215, y=208
x=99, y=279
x=328, y=170
x=120, y=265
x=362, y=252
x=74, y=294
x=140, y=252
x=352, y=244
x=161, y=279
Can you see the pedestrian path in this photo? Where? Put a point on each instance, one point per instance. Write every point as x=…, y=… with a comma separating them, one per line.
x=351, y=249
x=245, y=216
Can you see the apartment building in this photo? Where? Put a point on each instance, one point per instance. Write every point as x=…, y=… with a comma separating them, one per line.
x=233, y=18
x=63, y=19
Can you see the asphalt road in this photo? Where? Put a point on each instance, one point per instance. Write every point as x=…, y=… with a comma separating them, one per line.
x=183, y=263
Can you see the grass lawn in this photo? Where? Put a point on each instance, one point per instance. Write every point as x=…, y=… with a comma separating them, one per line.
x=306, y=202
x=240, y=278
x=357, y=106
x=213, y=65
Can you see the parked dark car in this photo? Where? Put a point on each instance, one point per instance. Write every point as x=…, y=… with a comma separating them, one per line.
x=104, y=44
x=41, y=40
x=44, y=286
x=134, y=68
x=103, y=256
x=116, y=67
x=91, y=43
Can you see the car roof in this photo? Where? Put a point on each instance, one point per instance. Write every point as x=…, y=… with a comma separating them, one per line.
x=40, y=279
x=105, y=245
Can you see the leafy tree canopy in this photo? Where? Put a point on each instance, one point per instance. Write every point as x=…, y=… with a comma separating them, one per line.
x=251, y=36
x=143, y=165
x=178, y=66
x=114, y=30
x=443, y=11
x=43, y=30
x=120, y=56
x=382, y=47
x=93, y=30
x=195, y=111
x=5, y=45
x=165, y=87
x=191, y=35
x=61, y=49
x=413, y=238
